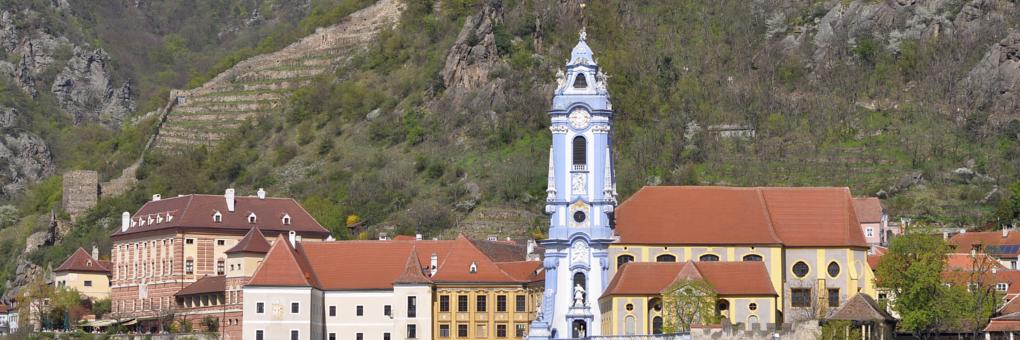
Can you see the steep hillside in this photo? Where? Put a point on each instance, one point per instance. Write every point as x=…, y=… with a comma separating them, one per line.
x=202, y=116
x=438, y=125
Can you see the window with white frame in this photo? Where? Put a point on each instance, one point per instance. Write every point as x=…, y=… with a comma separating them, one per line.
x=295, y=307
x=260, y=334
x=260, y=307
x=869, y=232
x=1001, y=286
x=251, y=218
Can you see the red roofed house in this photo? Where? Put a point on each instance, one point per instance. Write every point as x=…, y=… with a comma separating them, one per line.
x=809, y=241
x=874, y=221
x=187, y=257
x=85, y=273
x=637, y=293
x=390, y=289
x=1004, y=246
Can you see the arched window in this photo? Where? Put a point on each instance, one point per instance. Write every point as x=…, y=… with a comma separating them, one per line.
x=620, y=260
x=630, y=325
x=708, y=258
x=580, y=151
x=752, y=258
x=722, y=305
x=665, y=258
x=217, y=217
x=580, y=81
x=286, y=219
x=657, y=325
x=251, y=218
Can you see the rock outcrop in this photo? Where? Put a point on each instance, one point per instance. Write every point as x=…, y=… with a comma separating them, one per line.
x=85, y=90
x=994, y=83
x=473, y=56
x=24, y=159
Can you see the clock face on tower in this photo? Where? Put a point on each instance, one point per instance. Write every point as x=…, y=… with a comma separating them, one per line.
x=579, y=118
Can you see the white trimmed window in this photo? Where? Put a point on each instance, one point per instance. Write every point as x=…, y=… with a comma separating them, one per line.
x=1001, y=286
x=252, y=218
x=217, y=217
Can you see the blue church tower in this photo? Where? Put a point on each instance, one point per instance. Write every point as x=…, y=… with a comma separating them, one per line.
x=581, y=197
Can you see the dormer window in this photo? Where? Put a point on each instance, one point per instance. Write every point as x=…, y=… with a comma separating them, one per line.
x=286, y=219
x=251, y=218
x=580, y=81
x=169, y=217
x=217, y=217
x=474, y=268
x=88, y=263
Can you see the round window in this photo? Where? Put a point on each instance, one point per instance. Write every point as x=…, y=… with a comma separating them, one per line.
x=579, y=216
x=800, y=269
x=833, y=269
x=630, y=306
x=752, y=306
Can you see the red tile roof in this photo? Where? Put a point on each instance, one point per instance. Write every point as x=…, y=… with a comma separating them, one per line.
x=868, y=209
x=876, y=257
x=1005, y=323
x=413, y=271
x=992, y=242
x=207, y=284
x=284, y=266
x=795, y=217
x=336, y=267
x=81, y=261
x=728, y=278
x=196, y=211
x=253, y=242
x=966, y=262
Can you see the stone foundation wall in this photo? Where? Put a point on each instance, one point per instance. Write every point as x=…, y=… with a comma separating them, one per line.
x=81, y=191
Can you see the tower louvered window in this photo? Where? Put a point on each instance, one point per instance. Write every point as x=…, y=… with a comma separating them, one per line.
x=580, y=151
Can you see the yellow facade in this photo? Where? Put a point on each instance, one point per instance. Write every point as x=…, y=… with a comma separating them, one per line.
x=644, y=309
x=94, y=285
x=855, y=275
x=452, y=321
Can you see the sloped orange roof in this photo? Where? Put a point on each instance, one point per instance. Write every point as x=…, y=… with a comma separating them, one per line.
x=81, y=261
x=991, y=242
x=727, y=278
x=795, y=217
x=253, y=242
x=196, y=211
x=1005, y=323
x=413, y=271
x=876, y=257
x=967, y=262
x=283, y=266
x=868, y=209
x=387, y=262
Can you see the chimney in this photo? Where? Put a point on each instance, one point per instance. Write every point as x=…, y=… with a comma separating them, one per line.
x=229, y=196
x=1005, y=232
x=973, y=251
x=433, y=264
x=945, y=235
x=261, y=194
x=417, y=237
x=125, y=221
x=95, y=252
x=293, y=238
x=156, y=197
x=531, y=247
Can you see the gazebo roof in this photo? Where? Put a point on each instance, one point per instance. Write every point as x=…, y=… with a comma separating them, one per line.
x=861, y=307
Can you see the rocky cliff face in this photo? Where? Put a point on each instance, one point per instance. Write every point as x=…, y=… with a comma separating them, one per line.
x=85, y=90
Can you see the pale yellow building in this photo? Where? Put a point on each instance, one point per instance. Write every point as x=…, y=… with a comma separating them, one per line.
x=85, y=273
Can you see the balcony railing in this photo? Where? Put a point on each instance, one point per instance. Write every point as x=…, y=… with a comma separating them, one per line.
x=579, y=167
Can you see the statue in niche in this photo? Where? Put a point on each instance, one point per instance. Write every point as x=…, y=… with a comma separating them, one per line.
x=578, y=296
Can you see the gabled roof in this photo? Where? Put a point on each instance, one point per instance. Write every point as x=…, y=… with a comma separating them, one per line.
x=502, y=251
x=968, y=262
x=81, y=261
x=253, y=242
x=868, y=209
x=207, y=284
x=196, y=211
x=284, y=266
x=412, y=271
x=377, y=265
x=727, y=278
x=991, y=242
x=860, y=307
x=708, y=215
x=1006, y=323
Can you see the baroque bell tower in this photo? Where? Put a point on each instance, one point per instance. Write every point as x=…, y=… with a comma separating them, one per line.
x=580, y=201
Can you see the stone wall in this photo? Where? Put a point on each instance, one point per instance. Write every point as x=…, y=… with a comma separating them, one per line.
x=807, y=330
x=81, y=191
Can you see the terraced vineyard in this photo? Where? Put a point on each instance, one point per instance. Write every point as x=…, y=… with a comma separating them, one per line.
x=204, y=115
